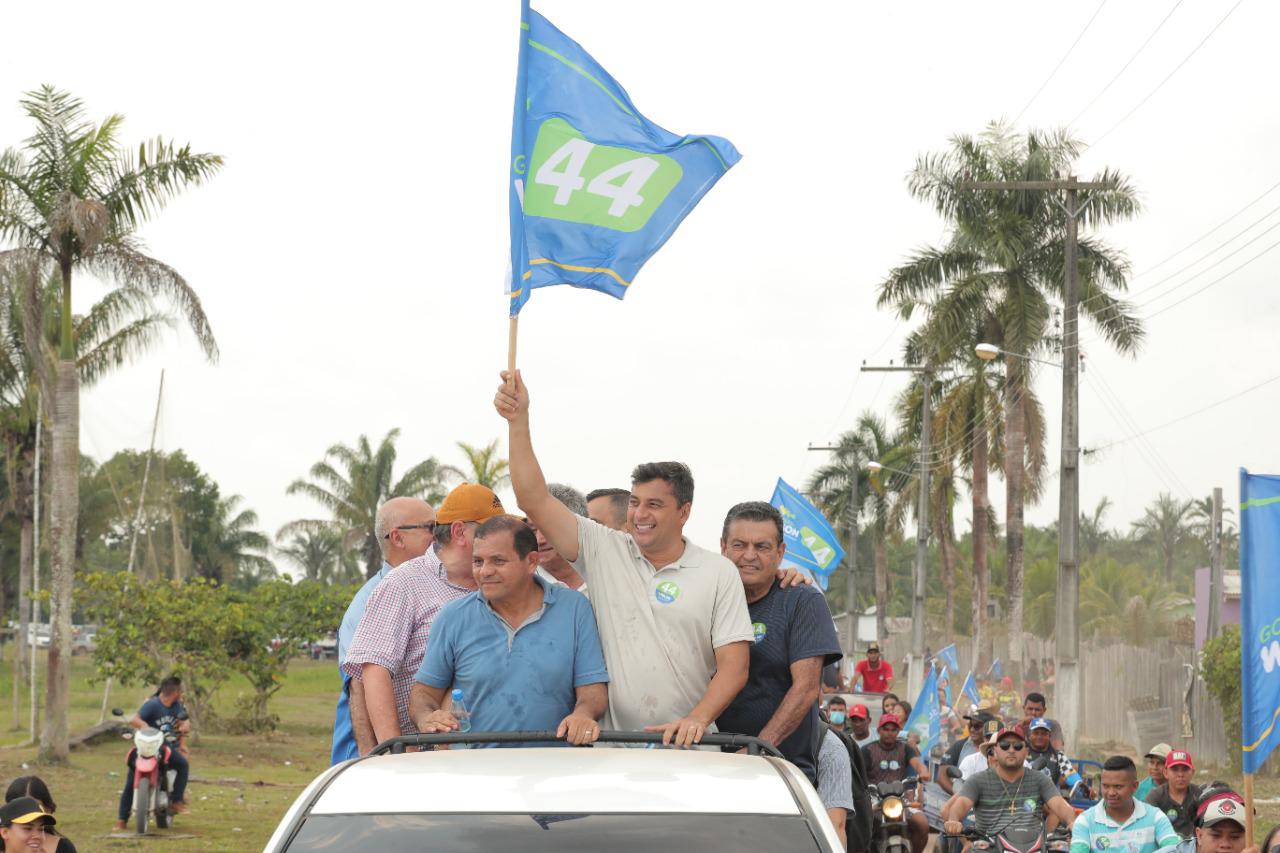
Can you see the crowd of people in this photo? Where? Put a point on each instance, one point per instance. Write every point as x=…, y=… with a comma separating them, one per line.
x=648, y=631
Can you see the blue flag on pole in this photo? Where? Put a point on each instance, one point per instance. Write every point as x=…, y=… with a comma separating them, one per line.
x=970, y=689
x=926, y=717
x=996, y=670
x=812, y=544
x=1259, y=615
x=596, y=188
x=948, y=657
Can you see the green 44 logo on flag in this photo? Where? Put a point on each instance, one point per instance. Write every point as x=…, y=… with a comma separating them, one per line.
x=578, y=181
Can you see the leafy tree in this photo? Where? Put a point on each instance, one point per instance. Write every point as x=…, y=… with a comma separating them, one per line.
x=352, y=482
x=72, y=199
x=1093, y=530
x=484, y=466
x=1220, y=669
x=1125, y=603
x=320, y=555
x=272, y=620
x=870, y=441
x=1164, y=524
x=1002, y=262
x=152, y=630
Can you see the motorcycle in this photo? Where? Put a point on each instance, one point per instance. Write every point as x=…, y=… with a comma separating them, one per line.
x=889, y=816
x=152, y=778
x=1011, y=841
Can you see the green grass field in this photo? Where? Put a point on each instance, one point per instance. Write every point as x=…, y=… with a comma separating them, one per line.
x=242, y=784
x=246, y=784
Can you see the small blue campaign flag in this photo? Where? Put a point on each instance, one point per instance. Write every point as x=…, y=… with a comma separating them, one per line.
x=970, y=689
x=926, y=717
x=596, y=188
x=1259, y=615
x=996, y=670
x=812, y=545
x=948, y=657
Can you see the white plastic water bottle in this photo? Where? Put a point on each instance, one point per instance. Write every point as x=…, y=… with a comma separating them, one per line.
x=460, y=710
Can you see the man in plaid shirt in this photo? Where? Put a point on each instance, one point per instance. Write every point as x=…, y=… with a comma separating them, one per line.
x=392, y=636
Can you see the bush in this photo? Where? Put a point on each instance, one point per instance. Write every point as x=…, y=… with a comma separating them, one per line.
x=1220, y=669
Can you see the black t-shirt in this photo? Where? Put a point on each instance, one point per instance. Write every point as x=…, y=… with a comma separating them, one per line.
x=889, y=764
x=790, y=625
x=1181, y=815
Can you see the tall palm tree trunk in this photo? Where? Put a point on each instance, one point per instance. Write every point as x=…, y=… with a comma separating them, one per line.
x=1015, y=469
x=947, y=555
x=981, y=574
x=63, y=510
x=882, y=587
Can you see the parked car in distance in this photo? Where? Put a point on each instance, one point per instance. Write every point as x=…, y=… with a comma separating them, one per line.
x=549, y=799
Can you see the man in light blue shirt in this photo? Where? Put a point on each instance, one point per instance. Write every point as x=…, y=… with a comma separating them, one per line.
x=403, y=527
x=1119, y=823
x=524, y=652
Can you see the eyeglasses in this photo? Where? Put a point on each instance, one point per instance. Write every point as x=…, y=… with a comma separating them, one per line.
x=409, y=527
x=1012, y=745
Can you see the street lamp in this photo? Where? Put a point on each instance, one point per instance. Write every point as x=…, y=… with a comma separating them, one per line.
x=988, y=352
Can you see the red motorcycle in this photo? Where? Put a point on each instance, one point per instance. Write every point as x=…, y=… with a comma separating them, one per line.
x=152, y=778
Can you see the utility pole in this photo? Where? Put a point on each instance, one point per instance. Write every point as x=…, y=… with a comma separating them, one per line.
x=851, y=560
x=1069, y=703
x=915, y=670
x=1215, y=568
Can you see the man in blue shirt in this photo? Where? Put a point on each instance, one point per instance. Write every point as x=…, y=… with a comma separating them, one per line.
x=403, y=527
x=794, y=639
x=525, y=653
x=165, y=708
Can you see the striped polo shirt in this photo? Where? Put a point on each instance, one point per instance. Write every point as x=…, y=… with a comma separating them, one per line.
x=1146, y=830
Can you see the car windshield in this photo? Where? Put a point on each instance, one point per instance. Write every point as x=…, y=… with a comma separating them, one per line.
x=553, y=833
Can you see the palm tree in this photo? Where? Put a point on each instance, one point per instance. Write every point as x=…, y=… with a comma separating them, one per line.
x=236, y=548
x=73, y=198
x=1200, y=520
x=352, y=482
x=319, y=552
x=869, y=441
x=1164, y=524
x=487, y=468
x=1093, y=530
x=1002, y=262
x=1123, y=602
x=969, y=409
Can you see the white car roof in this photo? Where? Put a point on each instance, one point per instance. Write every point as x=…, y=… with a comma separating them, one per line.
x=560, y=780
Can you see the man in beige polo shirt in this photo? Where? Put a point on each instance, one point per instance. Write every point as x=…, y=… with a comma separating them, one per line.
x=672, y=616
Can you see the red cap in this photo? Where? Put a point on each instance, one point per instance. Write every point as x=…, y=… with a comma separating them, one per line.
x=1016, y=731
x=860, y=711
x=1007, y=681
x=1178, y=758
x=889, y=719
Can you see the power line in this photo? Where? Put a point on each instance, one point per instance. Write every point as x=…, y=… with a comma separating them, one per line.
x=1169, y=76
x=1125, y=67
x=1182, y=418
x=1058, y=67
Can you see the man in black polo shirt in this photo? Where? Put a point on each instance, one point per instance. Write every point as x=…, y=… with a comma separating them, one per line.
x=794, y=639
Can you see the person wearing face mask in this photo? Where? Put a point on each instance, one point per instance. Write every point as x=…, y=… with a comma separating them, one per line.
x=838, y=713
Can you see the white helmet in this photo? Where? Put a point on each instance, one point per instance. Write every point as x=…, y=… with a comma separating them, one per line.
x=148, y=742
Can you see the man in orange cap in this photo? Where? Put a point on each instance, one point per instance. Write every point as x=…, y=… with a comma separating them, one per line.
x=389, y=643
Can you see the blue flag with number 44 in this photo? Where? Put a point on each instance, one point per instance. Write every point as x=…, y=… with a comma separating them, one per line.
x=596, y=188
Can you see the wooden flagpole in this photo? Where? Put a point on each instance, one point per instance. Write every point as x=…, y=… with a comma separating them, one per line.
x=1248, y=810
x=511, y=348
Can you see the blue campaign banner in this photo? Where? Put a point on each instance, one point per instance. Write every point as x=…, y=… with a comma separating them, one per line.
x=948, y=657
x=997, y=669
x=970, y=689
x=926, y=717
x=596, y=188
x=1259, y=615
x=812, y=544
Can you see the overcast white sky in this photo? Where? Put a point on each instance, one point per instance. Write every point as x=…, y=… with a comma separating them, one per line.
x=351, y=255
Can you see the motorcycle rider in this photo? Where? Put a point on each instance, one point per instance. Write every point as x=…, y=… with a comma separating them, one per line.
x=1060, y=768
x=1155, y=770
x=860, y=726
x=1219, y=825
x=1034, y=706
x=163, y=708
x=1119, y=821
x=1177, y=797
x=962, y=749
x=1008, y=796
x=889, y=759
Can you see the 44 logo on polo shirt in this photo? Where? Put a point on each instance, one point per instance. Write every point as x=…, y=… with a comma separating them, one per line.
x=760, y=630
x=667, y=592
